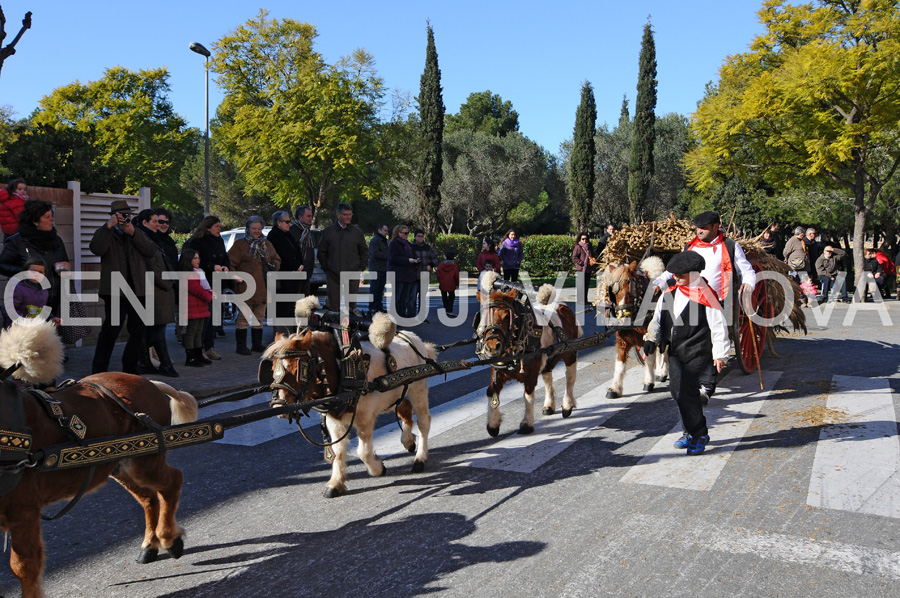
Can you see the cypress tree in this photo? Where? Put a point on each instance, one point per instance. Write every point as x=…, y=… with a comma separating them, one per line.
x=581, y=176
x=640, y=164
x=431, y=121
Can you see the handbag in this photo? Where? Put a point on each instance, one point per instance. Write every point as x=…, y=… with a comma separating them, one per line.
x=797, y=263
x=72, y=334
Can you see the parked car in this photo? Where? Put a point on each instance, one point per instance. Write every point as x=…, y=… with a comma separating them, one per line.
x=316, y=280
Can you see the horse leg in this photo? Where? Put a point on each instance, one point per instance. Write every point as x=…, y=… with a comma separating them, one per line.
x=405, y=413
x=162, y=482
x=419, y=398
x=365, y=425
x=494, y=417
x=527, y=424
x=662, y=367
x=571, y=373
x=337, y=485
x=27, y=557
x=615, y=389
x=549, y=394
x=150, y=502
x=649, y=371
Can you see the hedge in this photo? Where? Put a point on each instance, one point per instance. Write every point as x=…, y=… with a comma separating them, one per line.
x=545, y=255
x=467, y=249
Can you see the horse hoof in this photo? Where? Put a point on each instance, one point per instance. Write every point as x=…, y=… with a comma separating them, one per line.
x=494, y=432
x=333, y=493
x=177, y=548
x=648, y=387
x=148, y=555
x=418, y=466
x=662, y=378
x=412, y=448
x=611, y=394
x=547, y=411
x=566, y=412
x=526, y=429
x=383, y=470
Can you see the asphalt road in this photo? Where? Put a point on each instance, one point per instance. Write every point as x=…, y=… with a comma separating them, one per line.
x=797, y=495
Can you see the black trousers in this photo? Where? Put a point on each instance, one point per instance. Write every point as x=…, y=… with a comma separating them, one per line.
x=109, y=333
x=684, y=384
x=448, y=298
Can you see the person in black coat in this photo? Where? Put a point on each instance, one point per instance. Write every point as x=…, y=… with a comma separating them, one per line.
x=301, y=231
x=287, y=249
x=37, y=237
x=378, y=265
x=207, y=241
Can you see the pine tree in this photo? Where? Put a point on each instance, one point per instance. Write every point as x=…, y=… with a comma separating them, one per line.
x=640, y=166
x=581, y=176
x=431, y=115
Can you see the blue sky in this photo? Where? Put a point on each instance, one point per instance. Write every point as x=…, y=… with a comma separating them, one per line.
x=534, y=54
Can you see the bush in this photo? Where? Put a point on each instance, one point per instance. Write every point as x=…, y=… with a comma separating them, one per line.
x=467, y=249
x=545, y=255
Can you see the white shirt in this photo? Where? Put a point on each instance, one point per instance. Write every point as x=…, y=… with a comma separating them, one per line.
x=714, y=317
x=713, y=270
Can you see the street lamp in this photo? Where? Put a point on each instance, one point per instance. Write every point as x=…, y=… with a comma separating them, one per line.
x=200, y=49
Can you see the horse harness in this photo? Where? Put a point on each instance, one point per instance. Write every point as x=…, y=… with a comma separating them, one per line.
x=73, y=427
x=522, y=335
x=637, y=287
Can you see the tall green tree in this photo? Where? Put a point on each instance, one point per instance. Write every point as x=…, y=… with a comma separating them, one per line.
x=640, y=164
x=297, y=129
x=137, y=137
x=484, y=112
x=581, y=161
x=431, y=119
x=814, y=102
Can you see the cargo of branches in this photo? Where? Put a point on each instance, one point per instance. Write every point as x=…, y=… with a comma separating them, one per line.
x=664, y=238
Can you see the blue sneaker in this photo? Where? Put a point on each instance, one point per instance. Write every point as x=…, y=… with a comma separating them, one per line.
x=682, y=443
x=697, y=445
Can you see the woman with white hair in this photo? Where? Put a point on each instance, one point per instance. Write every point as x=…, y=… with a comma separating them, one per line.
x=255, y=256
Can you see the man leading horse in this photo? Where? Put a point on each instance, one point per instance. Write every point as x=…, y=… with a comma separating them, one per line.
x=727, y=269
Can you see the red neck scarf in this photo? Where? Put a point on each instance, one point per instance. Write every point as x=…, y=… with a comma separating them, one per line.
x=700, y=293
x=725, y=262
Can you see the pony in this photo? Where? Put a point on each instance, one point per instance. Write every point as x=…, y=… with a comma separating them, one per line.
x=504, y=327
x=306, y=366
x=37, y=351
x=621, y=291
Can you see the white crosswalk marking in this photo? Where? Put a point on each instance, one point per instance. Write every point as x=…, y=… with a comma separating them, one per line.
x=857, y=462
x=553, y=435
x=729, y=415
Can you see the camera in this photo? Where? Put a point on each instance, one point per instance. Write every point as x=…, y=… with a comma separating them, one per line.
x=126, y=218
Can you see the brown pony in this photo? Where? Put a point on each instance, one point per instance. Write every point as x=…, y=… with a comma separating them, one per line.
x=620, y=290
x=306, y=367
x=154, y=484
x=500, y=328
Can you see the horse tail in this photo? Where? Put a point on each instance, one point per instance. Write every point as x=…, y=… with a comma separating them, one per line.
x=35, y=347
x=382, y=331
x=182, y=404
x=546, y=294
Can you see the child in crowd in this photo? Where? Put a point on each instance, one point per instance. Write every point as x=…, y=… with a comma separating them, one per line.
x=689, y=321
x=448, y=281
x=199, y=296
x=28, y=296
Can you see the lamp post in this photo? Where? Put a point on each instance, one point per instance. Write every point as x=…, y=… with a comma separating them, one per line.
x=200, y=49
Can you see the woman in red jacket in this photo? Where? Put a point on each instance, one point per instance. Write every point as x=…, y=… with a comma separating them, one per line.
x=199, y=296
x=12, y=200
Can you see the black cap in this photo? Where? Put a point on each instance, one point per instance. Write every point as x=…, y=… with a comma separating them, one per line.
x=706, y=218
x=686, y=261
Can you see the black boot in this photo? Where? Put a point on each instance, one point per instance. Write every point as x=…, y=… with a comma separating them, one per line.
x=166, y=368
x=240, y=339
x=192, y=360
x=256, y=335
x=146, y=366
